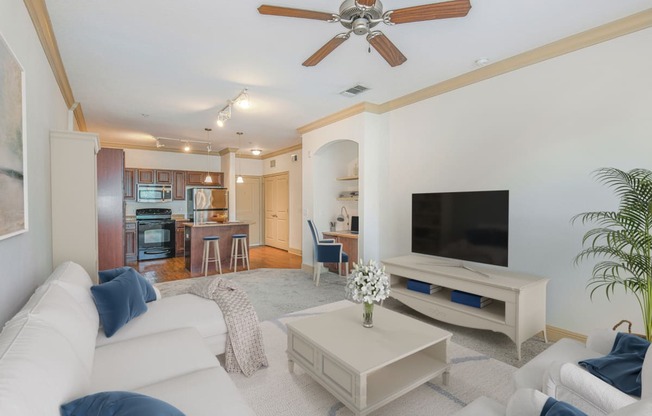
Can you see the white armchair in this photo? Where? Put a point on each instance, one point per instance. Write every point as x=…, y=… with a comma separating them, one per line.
x=555, y=372
x=529, y=402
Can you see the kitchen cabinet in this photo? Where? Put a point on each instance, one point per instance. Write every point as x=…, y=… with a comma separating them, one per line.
x=164, y=177
x=129, y=184
x=146, y=176
x=196, y=178
x=179, y=238
x=131, y=242
x=179, y=185
x=349, y=246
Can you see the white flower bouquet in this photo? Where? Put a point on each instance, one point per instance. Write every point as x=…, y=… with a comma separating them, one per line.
x=367, y=283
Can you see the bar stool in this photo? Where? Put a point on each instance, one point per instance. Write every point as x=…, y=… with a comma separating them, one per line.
x=206, y=257
x=239, y=241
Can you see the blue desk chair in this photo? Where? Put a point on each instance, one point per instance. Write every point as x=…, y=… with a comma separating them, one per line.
x=326, y=251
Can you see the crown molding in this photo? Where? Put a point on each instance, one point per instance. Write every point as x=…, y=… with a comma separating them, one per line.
x=606, y=32
x=363, y=107
x=283, y=151
x=38, y=12
x=248, y=156
x=228, y=150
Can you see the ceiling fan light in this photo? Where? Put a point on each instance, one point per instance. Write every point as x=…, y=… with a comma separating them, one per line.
x=256, y=152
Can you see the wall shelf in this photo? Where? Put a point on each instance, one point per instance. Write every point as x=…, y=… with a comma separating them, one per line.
x=348, y=198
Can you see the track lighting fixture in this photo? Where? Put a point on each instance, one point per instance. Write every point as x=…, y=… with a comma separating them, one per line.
x=242, y=101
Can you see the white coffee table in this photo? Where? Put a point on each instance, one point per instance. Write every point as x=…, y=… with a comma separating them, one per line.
x=366, y=368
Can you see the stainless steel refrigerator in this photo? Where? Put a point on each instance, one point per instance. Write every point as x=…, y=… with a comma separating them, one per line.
x=208, y=205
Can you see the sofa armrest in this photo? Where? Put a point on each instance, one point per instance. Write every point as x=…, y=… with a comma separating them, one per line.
x=601, y=340
x=526, y=402
x=570, y=383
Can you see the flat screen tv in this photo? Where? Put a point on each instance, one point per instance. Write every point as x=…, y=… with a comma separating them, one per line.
x=470, y=226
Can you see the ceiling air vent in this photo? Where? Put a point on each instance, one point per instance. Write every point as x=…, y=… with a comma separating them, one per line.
x=353, y=91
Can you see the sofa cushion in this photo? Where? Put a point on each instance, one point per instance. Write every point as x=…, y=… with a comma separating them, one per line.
x=213, y=394
x=54, y=307
x=149, y=359
x=84, y=299
x=118, y=301
x=118, y=403
x=175, y=312
x=71, y=273
x=149, y=293
x=40, y=370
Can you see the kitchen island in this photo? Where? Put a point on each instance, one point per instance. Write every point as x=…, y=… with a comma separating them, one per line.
x=194, y=234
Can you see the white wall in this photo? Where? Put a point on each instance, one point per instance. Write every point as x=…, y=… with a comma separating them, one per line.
x=538, y=132
x=284, y=163
x=26, y=259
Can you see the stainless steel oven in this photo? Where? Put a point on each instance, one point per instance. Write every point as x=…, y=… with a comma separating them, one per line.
x=156, y=230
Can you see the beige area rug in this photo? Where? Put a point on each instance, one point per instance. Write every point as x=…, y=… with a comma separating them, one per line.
x=274, y=391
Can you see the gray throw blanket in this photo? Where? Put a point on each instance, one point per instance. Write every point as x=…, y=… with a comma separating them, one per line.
x=245, y=351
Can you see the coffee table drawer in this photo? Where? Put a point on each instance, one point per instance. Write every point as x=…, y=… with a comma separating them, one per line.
x=301, y=348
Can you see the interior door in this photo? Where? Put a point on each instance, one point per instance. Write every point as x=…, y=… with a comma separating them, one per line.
x=248, y=206
x=277, y=201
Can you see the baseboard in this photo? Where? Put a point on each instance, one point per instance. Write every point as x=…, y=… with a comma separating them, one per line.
x=307, y=268
x=294, y=251
x=555, y=334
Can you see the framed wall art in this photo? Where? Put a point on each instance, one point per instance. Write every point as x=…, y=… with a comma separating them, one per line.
x=13, y=166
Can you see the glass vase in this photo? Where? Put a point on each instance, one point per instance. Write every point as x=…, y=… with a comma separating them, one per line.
x=368, y=315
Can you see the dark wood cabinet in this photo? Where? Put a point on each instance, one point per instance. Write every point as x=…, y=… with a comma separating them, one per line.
x=195, y=178
x=110, y=208
x=131, y=242
x=129, y=183
x=146, y=175
x=179, y=239
x=179, y=185
x=218, y=178
x=164, y=177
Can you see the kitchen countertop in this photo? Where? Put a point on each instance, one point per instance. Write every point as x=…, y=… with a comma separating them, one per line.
x=215, y=224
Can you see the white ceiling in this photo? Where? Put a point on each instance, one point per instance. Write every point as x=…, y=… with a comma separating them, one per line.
x=146, y=68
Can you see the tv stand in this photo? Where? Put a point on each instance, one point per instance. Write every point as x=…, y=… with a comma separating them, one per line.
x=518, y=309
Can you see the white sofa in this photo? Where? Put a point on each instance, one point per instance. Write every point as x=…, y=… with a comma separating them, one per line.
x=51, y=352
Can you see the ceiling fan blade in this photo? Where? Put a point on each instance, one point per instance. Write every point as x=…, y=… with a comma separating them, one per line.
x=326, y=49
x=386, y=48
x=445, y=10
x=290, y=12
x=366, y=3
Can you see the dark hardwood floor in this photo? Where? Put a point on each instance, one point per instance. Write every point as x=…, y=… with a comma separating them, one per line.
x=173, y=269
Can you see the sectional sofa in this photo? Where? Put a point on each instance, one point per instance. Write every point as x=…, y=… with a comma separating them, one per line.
x=53, y=351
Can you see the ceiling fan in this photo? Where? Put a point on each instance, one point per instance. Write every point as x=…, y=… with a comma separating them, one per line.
x=360, y=16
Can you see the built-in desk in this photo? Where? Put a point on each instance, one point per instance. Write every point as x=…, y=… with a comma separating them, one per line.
x=349, y=245
x=194, y=241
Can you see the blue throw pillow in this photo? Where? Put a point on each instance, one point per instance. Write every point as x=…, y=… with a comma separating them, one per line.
x=110, y=274
x=553, y=407
x=118, y=301
x=118, y=403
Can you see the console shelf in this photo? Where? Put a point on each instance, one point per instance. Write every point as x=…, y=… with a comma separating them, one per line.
x=519, y=300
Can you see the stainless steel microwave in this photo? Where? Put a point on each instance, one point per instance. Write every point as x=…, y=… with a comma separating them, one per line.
x=154, y=193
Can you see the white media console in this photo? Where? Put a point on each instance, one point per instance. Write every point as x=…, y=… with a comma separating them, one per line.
x=519, y=300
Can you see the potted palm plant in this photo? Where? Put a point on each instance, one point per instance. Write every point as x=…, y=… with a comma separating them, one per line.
x=622, y=239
